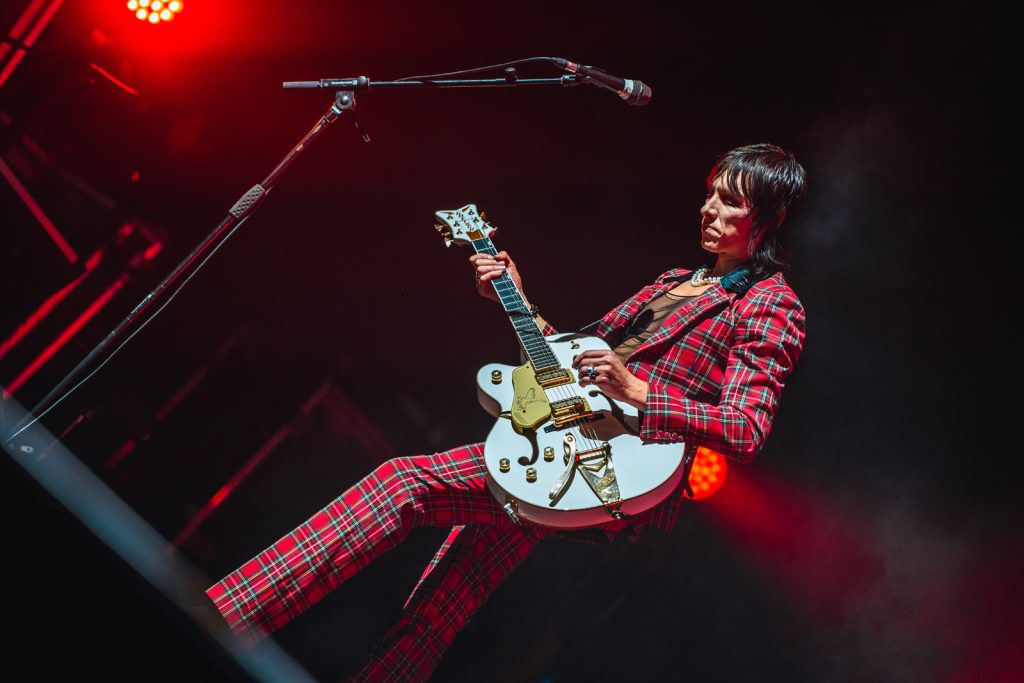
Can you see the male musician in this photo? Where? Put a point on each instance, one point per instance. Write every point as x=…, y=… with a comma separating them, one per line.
x=702, y=354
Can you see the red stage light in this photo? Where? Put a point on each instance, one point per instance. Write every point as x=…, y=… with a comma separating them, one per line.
x=155, y=11
x=708, y=473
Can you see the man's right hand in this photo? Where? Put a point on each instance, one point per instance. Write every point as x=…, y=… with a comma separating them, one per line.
x=487, y=267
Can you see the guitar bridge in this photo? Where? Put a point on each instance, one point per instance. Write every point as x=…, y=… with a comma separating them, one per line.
x=574, y=422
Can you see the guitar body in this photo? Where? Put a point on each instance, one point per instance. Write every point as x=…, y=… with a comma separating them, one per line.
x=560, y=455
x=646, y=473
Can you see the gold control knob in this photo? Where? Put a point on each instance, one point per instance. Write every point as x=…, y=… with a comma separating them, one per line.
x=531, y=474
x=549, y=454
x=504, y=465
x=574, y=345
x=495, y=376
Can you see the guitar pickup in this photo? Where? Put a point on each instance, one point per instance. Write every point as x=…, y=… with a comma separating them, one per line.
x=554, y=377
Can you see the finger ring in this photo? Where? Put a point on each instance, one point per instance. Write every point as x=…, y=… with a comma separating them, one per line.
x=591, y=371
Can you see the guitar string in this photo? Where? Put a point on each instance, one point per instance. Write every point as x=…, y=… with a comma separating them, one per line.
x=506, y=290
x=590, y=440
x=561, y=392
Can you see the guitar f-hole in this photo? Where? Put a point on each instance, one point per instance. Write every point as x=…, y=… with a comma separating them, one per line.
x=531, y=435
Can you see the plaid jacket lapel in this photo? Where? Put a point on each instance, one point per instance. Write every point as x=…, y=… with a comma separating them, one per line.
x=619, y=318
x=713, y=298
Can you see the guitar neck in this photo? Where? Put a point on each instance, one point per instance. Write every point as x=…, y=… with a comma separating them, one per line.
x=530, y=338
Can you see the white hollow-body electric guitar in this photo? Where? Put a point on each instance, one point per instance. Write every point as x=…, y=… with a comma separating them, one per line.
x=560, y=455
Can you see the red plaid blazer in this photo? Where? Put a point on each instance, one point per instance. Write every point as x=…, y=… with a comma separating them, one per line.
x=715, y=369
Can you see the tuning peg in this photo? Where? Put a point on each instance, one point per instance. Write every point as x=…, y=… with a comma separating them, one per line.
x=448, y=241
x=439, y=227
x=483, y=215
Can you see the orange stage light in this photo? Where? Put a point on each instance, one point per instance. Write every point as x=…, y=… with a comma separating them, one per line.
x=708, y=473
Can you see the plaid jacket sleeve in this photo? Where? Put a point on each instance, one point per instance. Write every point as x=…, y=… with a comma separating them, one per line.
x=768, y=337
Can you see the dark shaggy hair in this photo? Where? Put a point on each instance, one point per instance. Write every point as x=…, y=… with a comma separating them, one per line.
x=774, y=182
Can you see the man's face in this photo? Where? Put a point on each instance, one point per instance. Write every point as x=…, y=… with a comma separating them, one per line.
x=726, y=221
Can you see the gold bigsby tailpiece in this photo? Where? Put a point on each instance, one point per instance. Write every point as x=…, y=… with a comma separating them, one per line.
x=589, y=463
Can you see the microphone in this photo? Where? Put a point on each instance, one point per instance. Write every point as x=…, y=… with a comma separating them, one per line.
x=633, y=92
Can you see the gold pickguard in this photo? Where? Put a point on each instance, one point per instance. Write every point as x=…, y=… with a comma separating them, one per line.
x=530, y=406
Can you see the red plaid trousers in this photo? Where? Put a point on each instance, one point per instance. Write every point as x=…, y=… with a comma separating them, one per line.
x=443, y=489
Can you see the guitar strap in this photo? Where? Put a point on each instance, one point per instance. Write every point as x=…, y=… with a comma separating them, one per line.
x=585, y=328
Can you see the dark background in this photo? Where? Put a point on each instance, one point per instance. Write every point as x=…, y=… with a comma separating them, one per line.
x=873, y=539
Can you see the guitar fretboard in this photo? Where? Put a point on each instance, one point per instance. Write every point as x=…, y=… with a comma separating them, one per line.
x=530, y=337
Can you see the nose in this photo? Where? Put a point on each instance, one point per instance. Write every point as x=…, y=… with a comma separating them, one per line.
x=705, y=209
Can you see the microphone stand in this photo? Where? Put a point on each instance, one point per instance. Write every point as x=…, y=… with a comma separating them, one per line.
x=344, y=101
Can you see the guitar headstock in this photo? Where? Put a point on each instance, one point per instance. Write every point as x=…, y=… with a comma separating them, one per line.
x=462, y=226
